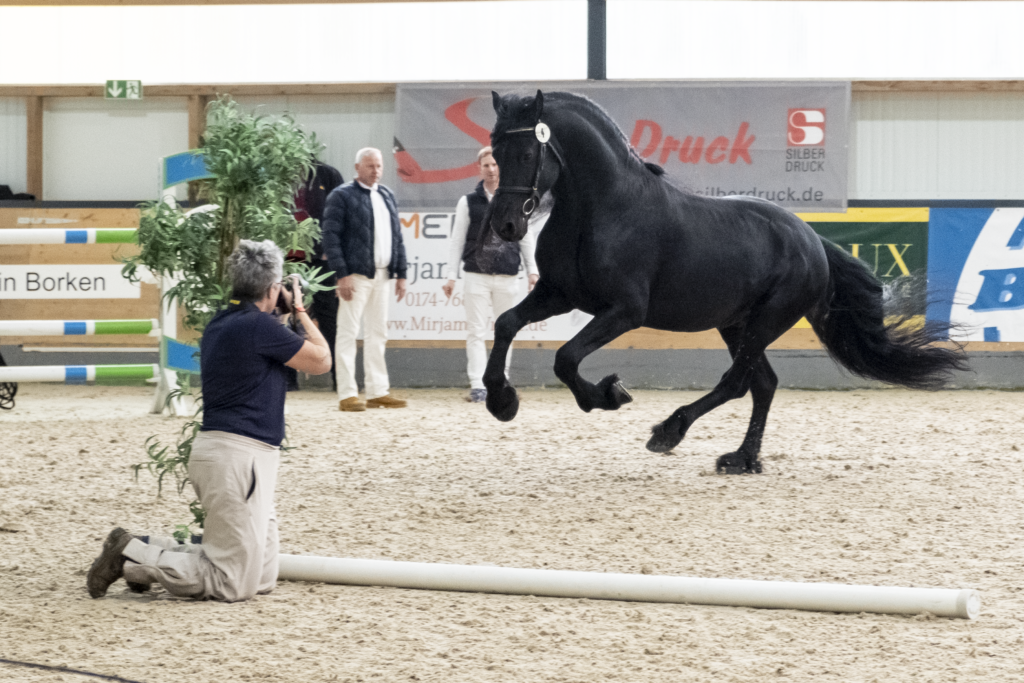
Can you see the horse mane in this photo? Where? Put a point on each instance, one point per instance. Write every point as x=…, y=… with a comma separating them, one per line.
x=515, y=111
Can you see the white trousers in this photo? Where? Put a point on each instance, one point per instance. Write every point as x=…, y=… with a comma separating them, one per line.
x=483, y=294
x=234, y=477
x=369, y=306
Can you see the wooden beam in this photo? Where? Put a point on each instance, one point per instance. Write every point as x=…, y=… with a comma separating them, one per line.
x=196, y=119
x=209, y=90
x=173, y=3
x=938, y=86
x=270, y=89
x=34, y=146
x=51, y=90
x=196, y=128
x=241, y=89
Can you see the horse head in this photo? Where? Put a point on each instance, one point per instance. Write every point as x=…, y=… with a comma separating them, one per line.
x=529, y=163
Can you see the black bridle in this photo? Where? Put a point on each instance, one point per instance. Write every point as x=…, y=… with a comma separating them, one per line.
x=543, y=135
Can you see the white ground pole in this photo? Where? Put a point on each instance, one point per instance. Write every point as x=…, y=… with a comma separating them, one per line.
x=818, y=597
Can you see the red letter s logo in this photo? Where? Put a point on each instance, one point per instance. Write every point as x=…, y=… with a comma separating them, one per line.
x=806, y=127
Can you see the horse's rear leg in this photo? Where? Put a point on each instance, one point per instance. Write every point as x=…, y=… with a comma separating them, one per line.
x=762, y=390
x=749, y=369
x=540, y=304
x=734, y=384
x=608, y=394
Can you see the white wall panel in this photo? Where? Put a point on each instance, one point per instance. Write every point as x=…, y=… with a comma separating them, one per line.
x=97, y=149
x=893, y=151
x=388, y=42
x=981, y=146
x=345, y=123
x=843, y=40
x=512, y=40
x=12, y=143
x=937, y=146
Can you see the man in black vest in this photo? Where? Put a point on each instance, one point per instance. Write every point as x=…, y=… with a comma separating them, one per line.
x=495, y=288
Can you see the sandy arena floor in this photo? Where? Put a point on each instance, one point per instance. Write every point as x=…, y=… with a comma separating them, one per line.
x=865, y=487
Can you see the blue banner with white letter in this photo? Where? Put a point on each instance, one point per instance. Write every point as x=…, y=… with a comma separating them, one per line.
x=976, y=272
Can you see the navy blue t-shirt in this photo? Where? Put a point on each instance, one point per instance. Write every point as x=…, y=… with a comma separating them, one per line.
x=242, y=357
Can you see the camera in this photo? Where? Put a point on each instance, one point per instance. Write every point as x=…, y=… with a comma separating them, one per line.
x=283, y=303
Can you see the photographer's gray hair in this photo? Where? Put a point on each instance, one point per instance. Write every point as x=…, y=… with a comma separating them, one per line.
x=254, y=267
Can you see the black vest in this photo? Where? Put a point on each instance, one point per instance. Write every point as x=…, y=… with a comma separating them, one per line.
x=506, y=260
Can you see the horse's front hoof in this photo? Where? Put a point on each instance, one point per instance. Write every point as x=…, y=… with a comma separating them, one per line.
x=736, y=463
x=618, y=395
x=663, y=439
x=503, y=403
x=615, y=395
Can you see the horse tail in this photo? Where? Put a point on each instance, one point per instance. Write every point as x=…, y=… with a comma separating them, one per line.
x=851, y=324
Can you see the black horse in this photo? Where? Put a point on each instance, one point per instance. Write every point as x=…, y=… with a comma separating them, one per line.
x=631, y=249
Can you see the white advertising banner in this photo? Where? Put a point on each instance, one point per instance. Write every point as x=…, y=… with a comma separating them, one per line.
x=65, y=282
x=426, y=313
x=784, y=141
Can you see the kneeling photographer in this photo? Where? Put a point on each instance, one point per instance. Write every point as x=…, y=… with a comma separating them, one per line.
x=244, y=353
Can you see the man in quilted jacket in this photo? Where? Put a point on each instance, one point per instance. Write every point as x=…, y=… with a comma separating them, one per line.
x=362, y=239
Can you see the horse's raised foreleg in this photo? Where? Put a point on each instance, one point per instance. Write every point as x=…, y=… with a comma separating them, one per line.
x=608, y=394
x=540, y=304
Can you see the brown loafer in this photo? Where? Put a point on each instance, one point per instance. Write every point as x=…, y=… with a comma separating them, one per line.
x=386, y=401
x=109, y=566
x=352, y=404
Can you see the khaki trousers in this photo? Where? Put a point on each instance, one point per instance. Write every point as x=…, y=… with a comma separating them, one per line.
x=369, y=307
x=482, y=295
x=234, y=477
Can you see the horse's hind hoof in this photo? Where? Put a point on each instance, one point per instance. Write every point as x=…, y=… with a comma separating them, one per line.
x=736, y=463
x=503, y=403
x=662, y=440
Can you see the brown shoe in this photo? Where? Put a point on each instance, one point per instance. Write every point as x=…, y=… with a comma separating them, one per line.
x=352, y=404
x=109, y=566
x=386, y=401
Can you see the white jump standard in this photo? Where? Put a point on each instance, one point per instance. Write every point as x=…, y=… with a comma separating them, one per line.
x=818, y=597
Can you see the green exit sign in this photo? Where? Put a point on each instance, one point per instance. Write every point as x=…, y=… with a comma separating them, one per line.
x=123, y=90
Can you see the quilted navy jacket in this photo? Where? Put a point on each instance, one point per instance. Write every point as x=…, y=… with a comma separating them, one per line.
x=347, y=228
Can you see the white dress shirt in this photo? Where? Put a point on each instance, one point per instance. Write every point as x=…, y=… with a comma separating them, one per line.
x=381, y=227
x=461, y=227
